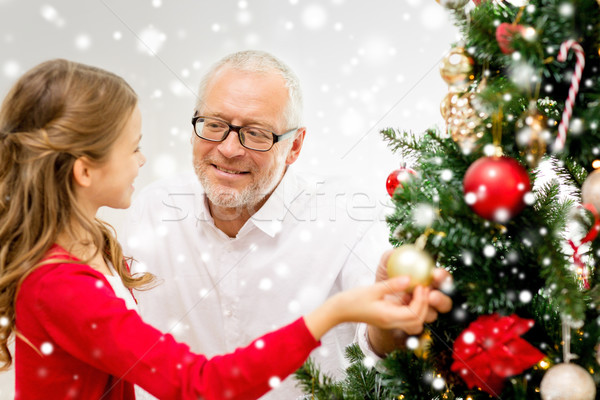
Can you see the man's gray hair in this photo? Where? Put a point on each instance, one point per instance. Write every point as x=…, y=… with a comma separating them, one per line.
x=262, y=62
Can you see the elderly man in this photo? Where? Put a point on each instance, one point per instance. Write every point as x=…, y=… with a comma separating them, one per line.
x=246, y=245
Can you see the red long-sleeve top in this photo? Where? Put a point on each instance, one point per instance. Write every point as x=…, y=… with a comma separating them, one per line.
x=85, y=344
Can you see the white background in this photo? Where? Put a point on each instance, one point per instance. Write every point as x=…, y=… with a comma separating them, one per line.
x=364, y=66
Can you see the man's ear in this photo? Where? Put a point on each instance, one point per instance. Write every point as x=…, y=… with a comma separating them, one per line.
x=296, y=147
x=82, y=172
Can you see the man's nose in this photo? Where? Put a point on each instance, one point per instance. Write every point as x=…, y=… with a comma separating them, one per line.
x=231, y=146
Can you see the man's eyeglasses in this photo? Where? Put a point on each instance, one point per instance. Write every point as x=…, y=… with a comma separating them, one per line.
x=216, y=130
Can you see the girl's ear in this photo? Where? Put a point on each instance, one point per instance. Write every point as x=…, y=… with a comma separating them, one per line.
x=82, y=172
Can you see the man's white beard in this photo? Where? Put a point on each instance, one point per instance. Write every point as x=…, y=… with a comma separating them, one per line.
x=250, y=196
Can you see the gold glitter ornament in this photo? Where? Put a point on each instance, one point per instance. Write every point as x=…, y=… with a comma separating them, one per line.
x=532, y=135
x=464, y=123
x=456, y=69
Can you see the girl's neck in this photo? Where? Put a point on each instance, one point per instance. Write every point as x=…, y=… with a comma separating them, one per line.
x=82, y=247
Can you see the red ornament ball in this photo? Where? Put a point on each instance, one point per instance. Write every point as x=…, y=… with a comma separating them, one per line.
x=494, y=188
x=397, y=177
x=505, y=33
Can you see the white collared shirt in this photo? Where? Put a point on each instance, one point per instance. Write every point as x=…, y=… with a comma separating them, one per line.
x=218, y=293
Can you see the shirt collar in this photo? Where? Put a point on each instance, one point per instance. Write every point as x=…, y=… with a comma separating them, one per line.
x=269, y=218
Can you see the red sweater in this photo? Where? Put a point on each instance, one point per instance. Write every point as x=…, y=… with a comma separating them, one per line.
x=88, y=345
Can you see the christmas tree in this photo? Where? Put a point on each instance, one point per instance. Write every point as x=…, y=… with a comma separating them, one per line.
x=514, y=200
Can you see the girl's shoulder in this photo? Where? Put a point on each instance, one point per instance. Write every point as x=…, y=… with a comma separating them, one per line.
x=57, y=271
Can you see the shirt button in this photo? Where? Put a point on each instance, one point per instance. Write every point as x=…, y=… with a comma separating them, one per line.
x=228, y=313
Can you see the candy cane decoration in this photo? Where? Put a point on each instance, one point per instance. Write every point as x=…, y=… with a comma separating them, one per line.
x=582, y=269
x=568, y=111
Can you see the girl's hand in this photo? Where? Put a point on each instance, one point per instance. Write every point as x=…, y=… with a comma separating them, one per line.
x=383, y=341
x=381, y=305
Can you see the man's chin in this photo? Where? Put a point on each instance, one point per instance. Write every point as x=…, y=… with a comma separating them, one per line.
x=222, y=198
x=235, y=200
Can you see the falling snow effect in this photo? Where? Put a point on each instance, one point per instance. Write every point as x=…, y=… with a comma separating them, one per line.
x=51, y=15
x=438, y=383
x=46, y=348
x=11, y=69
x=151, y=41
x=83, y=42
x=274, y=382
x=423, y=215
x=412, y=342
x=359, y=56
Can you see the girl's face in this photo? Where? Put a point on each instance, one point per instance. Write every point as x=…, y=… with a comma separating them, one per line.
x=113, y=181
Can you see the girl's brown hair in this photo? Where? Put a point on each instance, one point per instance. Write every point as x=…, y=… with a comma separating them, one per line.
x=57, y=112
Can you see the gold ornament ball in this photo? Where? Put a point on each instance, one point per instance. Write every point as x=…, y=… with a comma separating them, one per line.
x=463, y=123
x=456, y=69
x=533, y=135
x=567, y=381
x=590, y=190
x=409, y=260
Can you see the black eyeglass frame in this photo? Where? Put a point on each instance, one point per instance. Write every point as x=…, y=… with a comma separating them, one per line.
x=237, y=129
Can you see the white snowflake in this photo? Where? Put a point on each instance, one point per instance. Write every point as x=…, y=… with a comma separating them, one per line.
x=164, y=165
x=467, y=258
x=412, y=343
x=46, y=348
x=151, y=40
x=50, y=14
x=469, y=337
x=566, y=9
x=369, y=362
x=265, y=284
x=423, y=215
x=83, y=42
x=274, y=381
x=489, y=251
x=314, y=16
x=438, y=383
x=525, y=296
x=244, y=17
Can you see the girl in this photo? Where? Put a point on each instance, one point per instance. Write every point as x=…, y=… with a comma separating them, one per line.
x=69, y=144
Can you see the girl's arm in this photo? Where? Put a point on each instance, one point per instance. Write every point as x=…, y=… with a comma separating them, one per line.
x=85, y=320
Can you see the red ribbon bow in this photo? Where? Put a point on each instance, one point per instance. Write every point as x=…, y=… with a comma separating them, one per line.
x=582, y=269
x=491, y=349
